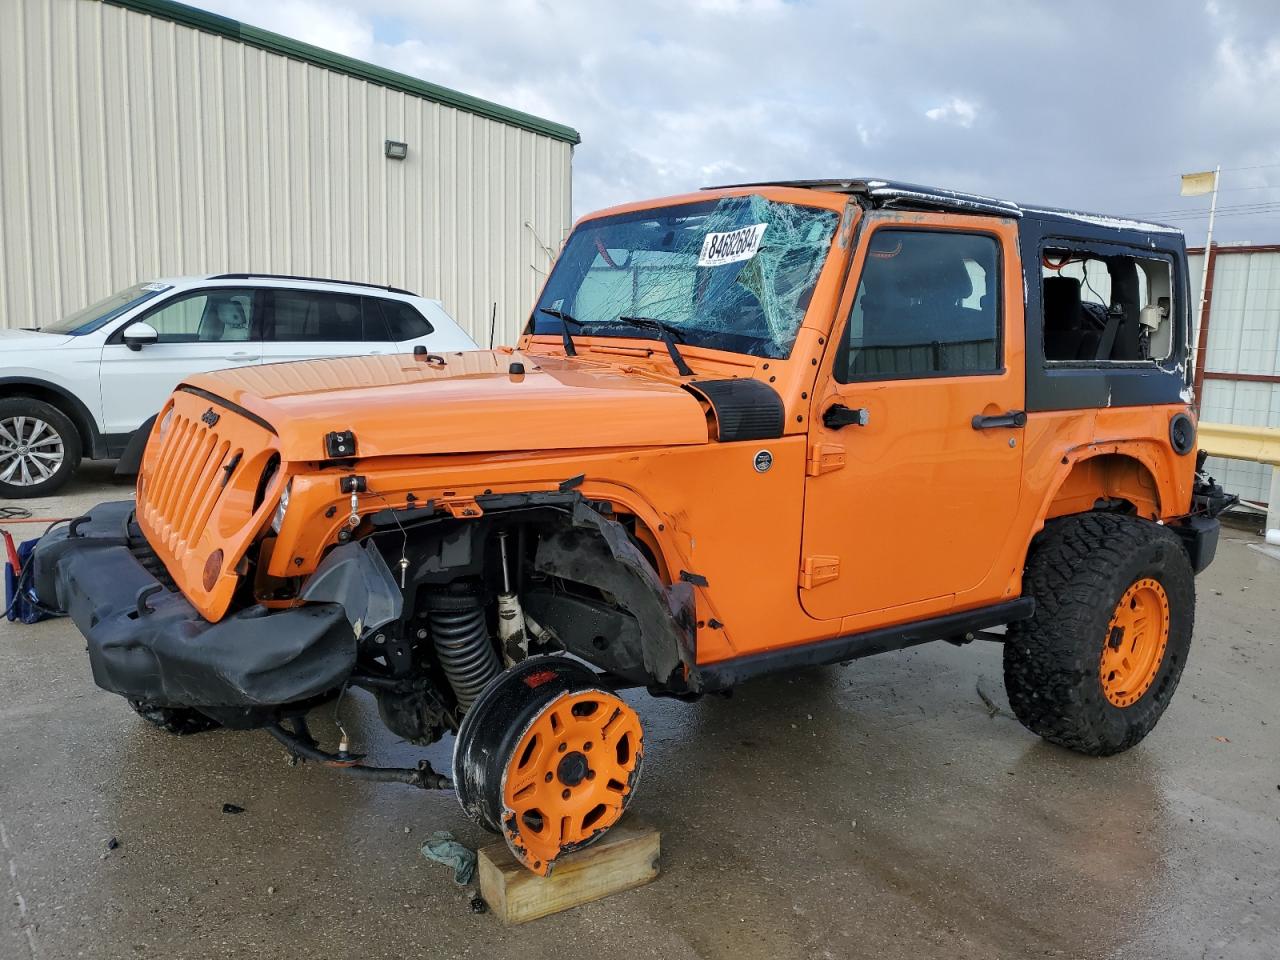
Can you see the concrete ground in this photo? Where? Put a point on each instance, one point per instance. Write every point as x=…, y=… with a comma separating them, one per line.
x=878, y=810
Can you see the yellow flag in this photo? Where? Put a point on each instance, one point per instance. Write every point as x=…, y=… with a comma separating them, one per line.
x=1195, y=184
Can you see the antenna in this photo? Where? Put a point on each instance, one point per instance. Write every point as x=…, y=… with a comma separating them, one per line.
x=493, y=323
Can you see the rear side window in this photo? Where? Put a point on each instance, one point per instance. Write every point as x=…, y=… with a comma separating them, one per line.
x=1102, y=307
x=403, y=321
x=928, y=304
x=315, y=316
x=210, y=316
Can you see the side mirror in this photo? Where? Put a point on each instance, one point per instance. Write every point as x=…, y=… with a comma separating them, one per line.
x=137, y=335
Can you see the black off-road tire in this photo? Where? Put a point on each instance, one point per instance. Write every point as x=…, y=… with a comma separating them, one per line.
x=180, y=721
x=1077, y=570
x=57, y=423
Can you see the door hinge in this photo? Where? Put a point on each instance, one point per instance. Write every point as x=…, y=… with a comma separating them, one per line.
x=818, y=570
x=825, y=458
x=464, y=508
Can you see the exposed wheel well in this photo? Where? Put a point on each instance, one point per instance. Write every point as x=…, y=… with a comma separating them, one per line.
x=1112, y=481
x=75, y=410
x=579, y=569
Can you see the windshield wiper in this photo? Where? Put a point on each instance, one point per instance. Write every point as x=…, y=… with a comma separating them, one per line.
x=669, y=334
x=565, y=319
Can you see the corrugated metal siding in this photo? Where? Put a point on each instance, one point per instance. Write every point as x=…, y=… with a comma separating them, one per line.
x=1244, y=337
x=1246, y=404
x=132, y=147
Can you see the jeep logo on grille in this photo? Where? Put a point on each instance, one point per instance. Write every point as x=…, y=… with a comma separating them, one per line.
x=209, y=417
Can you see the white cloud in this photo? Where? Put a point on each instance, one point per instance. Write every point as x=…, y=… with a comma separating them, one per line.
x=672, y=94
x=957, y=110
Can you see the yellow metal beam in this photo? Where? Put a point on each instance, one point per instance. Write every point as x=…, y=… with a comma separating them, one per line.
x=1259, y=444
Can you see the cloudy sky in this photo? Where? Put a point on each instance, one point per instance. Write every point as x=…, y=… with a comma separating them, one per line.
x=1095, y=105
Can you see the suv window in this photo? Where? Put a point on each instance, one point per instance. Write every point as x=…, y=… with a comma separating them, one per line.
x=318, y=316
x=1105, y=307
x=209, y=316
x=403, y=321
x=928, y=303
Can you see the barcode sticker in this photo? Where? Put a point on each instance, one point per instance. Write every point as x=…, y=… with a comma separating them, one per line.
x=731, y=247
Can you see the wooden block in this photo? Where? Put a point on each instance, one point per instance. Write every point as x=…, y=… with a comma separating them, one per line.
x=625, y=857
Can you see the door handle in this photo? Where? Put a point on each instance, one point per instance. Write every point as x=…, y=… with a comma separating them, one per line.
x=838, y=416
x=1014, y=418
x=238, y=356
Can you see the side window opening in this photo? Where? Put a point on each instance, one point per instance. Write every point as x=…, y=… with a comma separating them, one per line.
x=210, y=316
x=1105, y=308
x=927, y=305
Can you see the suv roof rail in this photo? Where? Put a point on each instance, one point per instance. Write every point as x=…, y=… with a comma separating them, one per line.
x=288, y=276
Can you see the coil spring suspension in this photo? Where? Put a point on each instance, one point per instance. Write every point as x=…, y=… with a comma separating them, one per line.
x=461, y=638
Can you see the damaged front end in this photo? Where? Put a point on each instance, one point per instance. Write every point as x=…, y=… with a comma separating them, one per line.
x=148, y=643
x=484, y=633
x=425, y=640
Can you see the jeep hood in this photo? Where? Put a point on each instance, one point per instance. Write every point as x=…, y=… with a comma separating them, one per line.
x=471, y=403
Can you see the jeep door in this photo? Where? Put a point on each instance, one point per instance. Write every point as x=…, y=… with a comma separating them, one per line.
x=199, y=331
x=916, y=458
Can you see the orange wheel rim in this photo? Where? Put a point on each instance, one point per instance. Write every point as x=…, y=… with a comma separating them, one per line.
x=1135, y=643
x=571, y=776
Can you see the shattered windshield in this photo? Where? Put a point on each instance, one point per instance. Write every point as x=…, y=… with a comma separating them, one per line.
x=732, y=274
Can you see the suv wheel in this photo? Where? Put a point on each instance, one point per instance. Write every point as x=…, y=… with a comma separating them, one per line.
x=39, y=448
x=180, y=721
x=1096, y=666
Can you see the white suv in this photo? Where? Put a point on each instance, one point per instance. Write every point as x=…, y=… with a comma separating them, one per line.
x=81, y=386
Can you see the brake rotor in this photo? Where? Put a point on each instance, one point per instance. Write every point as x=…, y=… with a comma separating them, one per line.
x=548, y=759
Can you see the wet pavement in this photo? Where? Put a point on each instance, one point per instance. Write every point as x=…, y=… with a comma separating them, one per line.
x=879, y=809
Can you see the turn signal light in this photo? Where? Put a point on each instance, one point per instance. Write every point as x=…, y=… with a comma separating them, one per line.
x=212, y=568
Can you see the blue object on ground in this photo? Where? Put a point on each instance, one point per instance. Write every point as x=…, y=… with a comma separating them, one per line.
x=442, y=848
x=20, y=601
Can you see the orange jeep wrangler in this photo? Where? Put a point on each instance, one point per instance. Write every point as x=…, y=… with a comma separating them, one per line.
x=746, y=430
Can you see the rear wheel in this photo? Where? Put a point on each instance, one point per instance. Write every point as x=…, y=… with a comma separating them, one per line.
x=180, y=721
x=1097, y=665
x=548, y=759
x=39, y=448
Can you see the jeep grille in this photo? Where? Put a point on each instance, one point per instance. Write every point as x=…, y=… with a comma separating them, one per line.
x=201, y=491
x=178, y=497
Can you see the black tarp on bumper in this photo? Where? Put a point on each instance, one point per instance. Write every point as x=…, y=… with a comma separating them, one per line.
x=162, y=651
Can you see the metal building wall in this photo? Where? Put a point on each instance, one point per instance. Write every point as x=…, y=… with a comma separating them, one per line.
x=133, y=147
x=1244, y=340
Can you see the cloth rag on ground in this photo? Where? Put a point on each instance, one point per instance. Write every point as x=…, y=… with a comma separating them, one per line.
x=442, y=848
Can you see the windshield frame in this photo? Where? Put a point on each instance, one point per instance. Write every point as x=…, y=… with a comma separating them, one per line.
x=776, y=343
x=97, y=315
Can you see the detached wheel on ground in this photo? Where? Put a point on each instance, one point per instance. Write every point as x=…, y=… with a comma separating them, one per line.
x=180, y=721
x=1096, y=666
x=548, y=759
x=39, y=448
